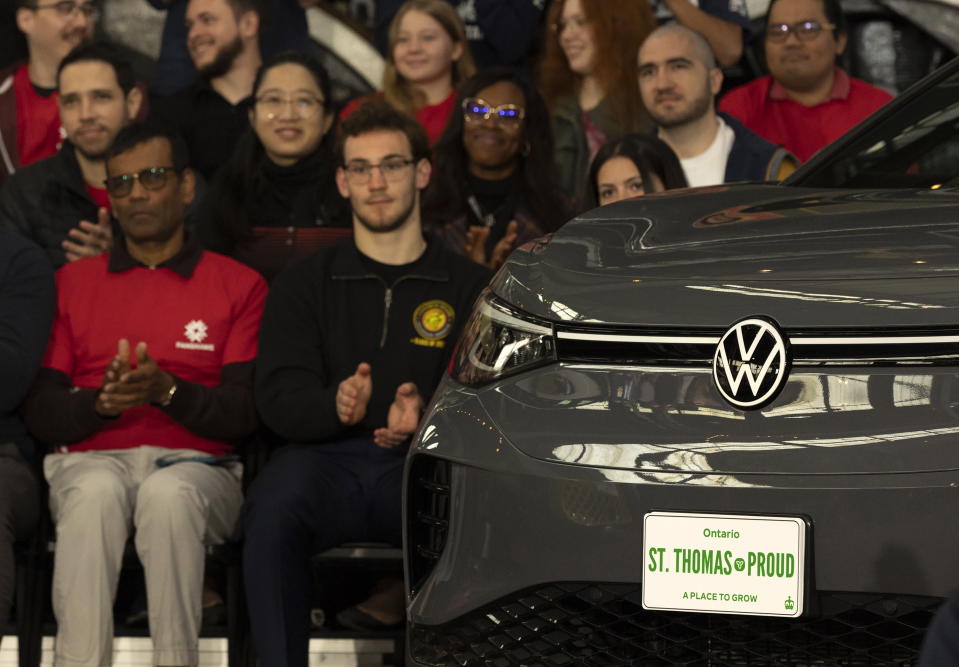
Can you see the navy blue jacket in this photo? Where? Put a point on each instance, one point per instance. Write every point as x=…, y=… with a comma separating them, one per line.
x=752, y=158
x=27, y=304
x=500, y=32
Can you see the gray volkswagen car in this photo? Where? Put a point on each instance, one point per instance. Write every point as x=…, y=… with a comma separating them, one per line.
x=718, y=427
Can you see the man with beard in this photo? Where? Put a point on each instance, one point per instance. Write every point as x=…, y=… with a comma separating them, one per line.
x=60, y=202
x=807, y=101
x=678, y=80
x=145, y=387
x=223, y=41
x=354, y=341
x=29, y=124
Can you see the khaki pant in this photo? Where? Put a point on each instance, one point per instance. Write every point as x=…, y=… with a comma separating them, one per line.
x=96, y=499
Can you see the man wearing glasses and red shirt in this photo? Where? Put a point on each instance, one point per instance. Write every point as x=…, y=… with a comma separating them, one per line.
x=29, y=123
x=146, y=387
x=807, y=101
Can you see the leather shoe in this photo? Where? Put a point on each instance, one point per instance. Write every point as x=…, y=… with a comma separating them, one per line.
x=356, y=619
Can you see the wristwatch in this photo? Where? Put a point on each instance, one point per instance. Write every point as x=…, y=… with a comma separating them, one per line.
x=169, y=396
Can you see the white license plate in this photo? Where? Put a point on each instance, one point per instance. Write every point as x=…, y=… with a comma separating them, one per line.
x=724, y=563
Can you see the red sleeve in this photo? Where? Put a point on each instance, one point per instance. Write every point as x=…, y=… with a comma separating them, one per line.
x=59, y=354
x=241, y=345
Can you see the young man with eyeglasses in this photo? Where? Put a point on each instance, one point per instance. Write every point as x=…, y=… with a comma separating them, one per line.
x=355, y=339
x=807, y=101
x=59, y=203
x=146, y=387
x=29, y=124
x=211, y=114
x=678, y=81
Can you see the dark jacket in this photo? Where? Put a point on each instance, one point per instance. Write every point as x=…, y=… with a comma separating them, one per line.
x=27, y=303
x=9, y=154
x=500, y=32
x=752, y=158
x=208, y=123
x=45, y=200
x=328, y=313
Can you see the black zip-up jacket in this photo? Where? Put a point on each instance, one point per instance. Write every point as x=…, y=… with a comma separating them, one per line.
x=328, y=313
x=45, y=200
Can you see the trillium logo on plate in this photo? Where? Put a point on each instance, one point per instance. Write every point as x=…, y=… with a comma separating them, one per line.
x=751, y=363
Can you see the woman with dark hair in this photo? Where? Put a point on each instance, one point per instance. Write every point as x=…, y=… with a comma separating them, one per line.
x=494, y=184
x=588, y=77
x=276, y=199
x=637, y=164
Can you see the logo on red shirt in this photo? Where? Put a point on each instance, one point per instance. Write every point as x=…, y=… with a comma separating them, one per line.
x=195, y=331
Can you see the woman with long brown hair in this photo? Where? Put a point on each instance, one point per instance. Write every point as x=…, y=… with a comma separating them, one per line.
x=588, y=76
x=428, y=57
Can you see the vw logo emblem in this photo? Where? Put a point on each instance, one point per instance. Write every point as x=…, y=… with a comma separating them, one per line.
x=751, y=363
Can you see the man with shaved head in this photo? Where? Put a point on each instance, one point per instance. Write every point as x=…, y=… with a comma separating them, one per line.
x=679, y=79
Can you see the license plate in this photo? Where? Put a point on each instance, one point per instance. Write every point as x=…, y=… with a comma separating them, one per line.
x=724, y=563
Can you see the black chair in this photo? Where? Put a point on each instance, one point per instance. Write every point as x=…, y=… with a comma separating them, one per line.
x=35, y=572
x=368, y=558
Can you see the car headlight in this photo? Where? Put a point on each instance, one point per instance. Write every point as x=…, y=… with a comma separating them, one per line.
x=499, y=341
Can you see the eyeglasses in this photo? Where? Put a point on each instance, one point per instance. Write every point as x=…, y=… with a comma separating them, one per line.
x=805, y=30
x=151, y=178
x=274, y=106
x=68, y=9
x=476, y=110
x=359, y=171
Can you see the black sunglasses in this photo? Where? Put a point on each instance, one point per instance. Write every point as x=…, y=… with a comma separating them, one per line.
x=151, y=178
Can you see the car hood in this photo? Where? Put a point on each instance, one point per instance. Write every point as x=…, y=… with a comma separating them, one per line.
x=702, y=258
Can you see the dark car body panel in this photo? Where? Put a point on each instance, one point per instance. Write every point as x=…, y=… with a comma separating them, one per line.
x=805, y=258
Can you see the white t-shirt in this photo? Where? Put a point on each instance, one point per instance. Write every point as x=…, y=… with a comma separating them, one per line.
x=709, y=167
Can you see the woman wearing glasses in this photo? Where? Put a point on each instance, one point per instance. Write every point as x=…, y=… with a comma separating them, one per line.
x=428, y=57
x=276, y=200
x=588, y=76
x=807, y=101
x=494, y=184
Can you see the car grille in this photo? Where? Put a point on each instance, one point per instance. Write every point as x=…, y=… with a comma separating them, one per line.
x=428, y=510
x=809, y=347
x=602, y=625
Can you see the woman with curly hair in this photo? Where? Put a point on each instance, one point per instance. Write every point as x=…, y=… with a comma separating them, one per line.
x=494, y=184
x=428, y=57
x=588, y=76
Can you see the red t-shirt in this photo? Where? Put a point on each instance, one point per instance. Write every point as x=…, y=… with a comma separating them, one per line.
x=193, y=327
x=765, y=108
x=433, y=117
x=38, y=120
x=99, y=197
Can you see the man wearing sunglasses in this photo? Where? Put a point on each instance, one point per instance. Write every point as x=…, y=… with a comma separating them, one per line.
x=60, y=203
x=29, y=124
x=150, y=362
x=807, y=101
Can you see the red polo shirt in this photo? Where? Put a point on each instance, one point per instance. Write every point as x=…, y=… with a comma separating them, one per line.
x=38, y=120
x=765, y=108
x=434, y=117
x=197, y=313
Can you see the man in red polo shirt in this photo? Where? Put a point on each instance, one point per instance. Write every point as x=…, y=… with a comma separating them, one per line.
x=145, y=387
x=807, y=101
x=29, y=122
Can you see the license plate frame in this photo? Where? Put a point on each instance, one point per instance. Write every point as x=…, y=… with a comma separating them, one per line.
x=705, y=575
